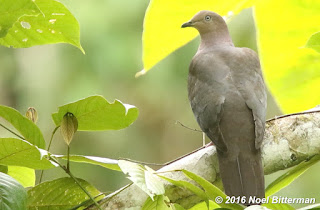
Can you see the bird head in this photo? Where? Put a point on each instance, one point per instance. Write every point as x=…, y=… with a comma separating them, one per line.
x=205, y=21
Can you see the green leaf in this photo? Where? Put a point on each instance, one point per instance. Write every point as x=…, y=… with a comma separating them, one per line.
x=290, y=176
x=211, y=190
x=203, y=206
x=26, y=127
x=12, y=194
x=4, y=169
x=291, y=71
x=145, y=179
x=96, y=113
x=25, y=176
x=18, y=152
x=184, y=184
x=162, y=32
x=158, y=203
x=313, y=206
x=314, y=42
x=56, y=24
x=100, y=161
x=178, y=207
x=11, y=11
x=60, y=194
x=278, y=206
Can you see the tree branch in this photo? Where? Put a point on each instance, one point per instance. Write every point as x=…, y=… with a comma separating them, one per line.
x=288, y=140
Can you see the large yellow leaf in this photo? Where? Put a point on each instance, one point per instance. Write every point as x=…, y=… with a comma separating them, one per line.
x=291, y=71
x=162, y=33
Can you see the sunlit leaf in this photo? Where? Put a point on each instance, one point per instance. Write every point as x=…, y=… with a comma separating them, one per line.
x=312, y=206
x=55, y=24
x=290, y=176
x=278, y=206
x=291, y=71
x=27, y=128
x=178, y=207
x=162, y=32
x=211, y=190
x=203, y=206
x=158, y=203
x=145, y=179
x=11, y=11
x=12, y=194
x=181, y=183
x=25, y=176
x=100, y=161
x=60, y=194
x=96, y=113
x=152, y=182
x=18, y=152
x=314, y=42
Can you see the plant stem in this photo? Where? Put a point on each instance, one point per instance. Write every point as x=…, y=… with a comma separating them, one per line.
x=53, y=132
x=68, y=158
x=75, y=179
x=12, y=132
x=86, y=202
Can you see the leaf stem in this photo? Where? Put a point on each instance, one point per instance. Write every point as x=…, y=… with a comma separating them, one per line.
x=75, y=179
x=12, y=132
x=53, y=132
x=68, y=158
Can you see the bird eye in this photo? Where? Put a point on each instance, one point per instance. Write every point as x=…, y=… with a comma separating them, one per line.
x=207, y=18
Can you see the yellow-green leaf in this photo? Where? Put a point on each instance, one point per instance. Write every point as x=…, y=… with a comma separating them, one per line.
x=26, y=128
x=55, y=24
x=287, y=178
x=291, y=71
x=314, y=42
x=17, y=152
x=11, y=11
x=96, y=113
x=160, y=202
x=100, y=161
x=25, y=176
x=162, y=32
x=63, y=193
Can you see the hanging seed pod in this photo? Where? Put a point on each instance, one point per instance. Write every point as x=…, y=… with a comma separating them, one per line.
x=68, y=127
x=32, y=114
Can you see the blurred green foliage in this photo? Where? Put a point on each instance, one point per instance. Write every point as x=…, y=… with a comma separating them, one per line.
x=46, y=77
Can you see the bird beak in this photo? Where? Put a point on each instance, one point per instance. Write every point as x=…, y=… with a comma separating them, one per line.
x=187, y=24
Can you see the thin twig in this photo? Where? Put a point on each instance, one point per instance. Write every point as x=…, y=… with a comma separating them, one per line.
x=76, y=180
x=12, y=132
x=53, y=132
x=111, y=195
x=193, y=129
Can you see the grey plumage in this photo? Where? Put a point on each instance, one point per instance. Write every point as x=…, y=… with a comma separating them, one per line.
x=227, y=95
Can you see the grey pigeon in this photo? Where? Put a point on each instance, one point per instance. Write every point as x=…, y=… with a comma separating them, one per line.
x=228, y=98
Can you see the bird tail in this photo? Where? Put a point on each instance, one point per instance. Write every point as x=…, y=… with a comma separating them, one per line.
x=242, y=176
